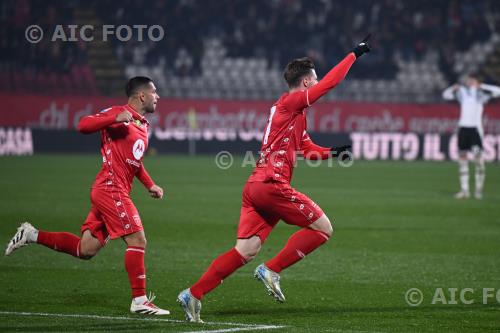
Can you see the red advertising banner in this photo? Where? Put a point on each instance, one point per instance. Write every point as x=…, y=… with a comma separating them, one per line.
x=175, y=117
x=391, y=146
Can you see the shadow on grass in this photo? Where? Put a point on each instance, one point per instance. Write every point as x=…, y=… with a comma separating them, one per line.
x=85, y=326
x=81, y=327
x=285, y=312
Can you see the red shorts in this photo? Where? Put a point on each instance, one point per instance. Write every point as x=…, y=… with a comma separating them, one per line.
x=264, y=204
x=112, y=215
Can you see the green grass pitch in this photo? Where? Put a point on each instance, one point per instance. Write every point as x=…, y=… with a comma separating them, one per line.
x=396, y=226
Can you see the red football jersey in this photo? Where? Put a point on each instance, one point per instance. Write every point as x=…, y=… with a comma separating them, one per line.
x=286, y=131
x=122, y=147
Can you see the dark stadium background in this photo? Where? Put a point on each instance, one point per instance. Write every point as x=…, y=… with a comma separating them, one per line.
x=218, y=70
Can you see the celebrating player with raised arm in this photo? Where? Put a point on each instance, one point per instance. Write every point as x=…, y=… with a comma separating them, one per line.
x=268, y=196
x=472, y=97
x=124, y=139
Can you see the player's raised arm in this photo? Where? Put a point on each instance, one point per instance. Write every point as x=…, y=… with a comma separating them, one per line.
x=449, y=93
x=302, y=81
x=493, y=90
x=337, y=73
x=144, y=177
x=97, y=122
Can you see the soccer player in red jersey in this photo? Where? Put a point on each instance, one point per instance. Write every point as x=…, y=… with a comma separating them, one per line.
x=124, y=139
x=268, y=196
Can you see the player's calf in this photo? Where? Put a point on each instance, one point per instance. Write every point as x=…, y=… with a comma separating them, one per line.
x=299, y=245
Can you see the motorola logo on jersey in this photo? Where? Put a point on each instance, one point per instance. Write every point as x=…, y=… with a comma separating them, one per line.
x=138, y=149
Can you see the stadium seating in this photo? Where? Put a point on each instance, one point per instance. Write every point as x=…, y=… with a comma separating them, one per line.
x=237, y=50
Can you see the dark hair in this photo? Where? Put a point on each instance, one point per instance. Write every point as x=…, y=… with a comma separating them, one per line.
x=296, y=70
x=135, y=83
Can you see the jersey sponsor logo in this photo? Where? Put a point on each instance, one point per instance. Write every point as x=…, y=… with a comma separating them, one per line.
x=134, y=163
x=138, y=149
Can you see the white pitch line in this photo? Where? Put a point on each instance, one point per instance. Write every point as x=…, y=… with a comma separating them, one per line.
x=242, y=326
x=239, y=329
x=351, y=331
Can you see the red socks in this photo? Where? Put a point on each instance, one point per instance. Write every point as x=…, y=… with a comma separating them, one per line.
x=60, y=241
x=219, y=269
x=298, y=246
x=134, y=264
x=69, y=243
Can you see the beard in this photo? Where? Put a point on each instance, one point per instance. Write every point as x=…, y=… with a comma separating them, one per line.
x=150, y=108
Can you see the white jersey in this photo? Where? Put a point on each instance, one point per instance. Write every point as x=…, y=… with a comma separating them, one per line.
x=472, y=102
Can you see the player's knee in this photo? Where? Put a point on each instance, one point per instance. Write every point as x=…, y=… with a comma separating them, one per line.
x=250, y=254
x=324, y=226
x=144, y=242
x=87, y=253
x=137, y=239
x=85, y=257
x=330, y=230
x=327, y=230
x=141, y=242
x=248, y=248
x=479, y=163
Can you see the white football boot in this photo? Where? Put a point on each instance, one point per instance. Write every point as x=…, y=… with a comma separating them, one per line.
x=147, y=307
x=26, y=234
x=191, y=306
x=271, y=281
x=462, y=195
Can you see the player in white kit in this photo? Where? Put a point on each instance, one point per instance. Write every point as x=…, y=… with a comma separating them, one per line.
x=472, y=96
